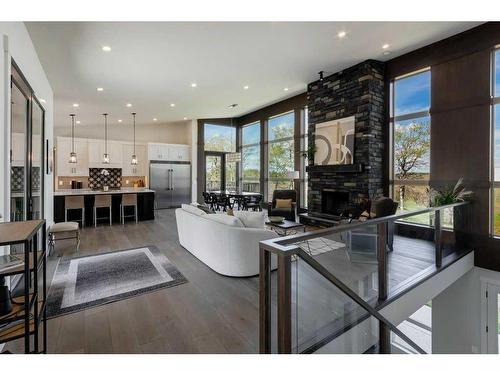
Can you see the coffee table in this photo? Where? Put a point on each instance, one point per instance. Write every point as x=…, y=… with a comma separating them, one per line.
x=286, y=227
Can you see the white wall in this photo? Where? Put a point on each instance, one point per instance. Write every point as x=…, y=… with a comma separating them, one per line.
x=194, y=160
x=17, y=44
x=457, y=321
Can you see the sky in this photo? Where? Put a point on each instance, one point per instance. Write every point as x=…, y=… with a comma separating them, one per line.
x=412, y=94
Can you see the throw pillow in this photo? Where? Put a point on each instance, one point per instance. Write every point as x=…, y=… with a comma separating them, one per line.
x=283, y=203
x=230, y=212
x=251, y=219
x=225, y=219
x=192, y=209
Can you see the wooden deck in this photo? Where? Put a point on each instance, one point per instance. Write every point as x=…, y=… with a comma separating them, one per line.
x=211, y=313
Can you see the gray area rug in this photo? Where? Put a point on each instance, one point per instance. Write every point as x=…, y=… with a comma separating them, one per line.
x=93, y=280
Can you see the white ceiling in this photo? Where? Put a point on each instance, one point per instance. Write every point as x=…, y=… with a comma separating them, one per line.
x=153, y=64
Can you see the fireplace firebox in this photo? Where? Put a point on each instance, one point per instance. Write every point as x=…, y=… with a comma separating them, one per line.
x=334, y=202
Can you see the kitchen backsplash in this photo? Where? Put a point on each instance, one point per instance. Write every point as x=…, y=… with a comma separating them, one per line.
x=112, y=179
x=17, y=178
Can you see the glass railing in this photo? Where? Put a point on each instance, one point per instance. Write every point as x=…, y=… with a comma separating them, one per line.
x=329, y=283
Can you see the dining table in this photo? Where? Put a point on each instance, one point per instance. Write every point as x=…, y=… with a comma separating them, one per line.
x=235, y=193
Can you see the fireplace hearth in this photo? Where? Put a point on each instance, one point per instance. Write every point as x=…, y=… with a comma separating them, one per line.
x=334, y=202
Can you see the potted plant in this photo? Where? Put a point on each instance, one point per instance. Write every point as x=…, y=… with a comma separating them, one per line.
x=449, y=195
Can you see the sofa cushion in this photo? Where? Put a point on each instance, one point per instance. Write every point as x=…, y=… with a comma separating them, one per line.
x=251, y=219
x=231, y=221
x=192, y=209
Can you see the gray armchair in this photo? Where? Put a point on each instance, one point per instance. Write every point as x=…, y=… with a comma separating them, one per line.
x=287, y=213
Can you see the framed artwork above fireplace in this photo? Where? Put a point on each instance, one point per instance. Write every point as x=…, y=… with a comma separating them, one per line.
x=334, y=142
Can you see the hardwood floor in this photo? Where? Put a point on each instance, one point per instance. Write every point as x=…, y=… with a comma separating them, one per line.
x=211, y=313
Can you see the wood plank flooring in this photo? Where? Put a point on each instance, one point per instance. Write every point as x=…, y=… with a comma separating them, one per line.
x=209, y=314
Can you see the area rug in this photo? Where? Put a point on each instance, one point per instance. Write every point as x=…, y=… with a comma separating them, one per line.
x=93, y=280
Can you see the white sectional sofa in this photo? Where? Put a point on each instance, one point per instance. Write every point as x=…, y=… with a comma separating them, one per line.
x=221, y=241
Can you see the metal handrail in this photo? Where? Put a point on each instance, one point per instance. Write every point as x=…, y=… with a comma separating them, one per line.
x=281, y=244
x=351, y=294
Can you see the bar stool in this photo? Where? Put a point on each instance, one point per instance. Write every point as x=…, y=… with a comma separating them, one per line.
x=72, y=202
x=102, y=201
x=128, y=200
x=68, y=230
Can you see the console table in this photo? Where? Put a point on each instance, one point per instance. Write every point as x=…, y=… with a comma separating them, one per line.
x=28, y=311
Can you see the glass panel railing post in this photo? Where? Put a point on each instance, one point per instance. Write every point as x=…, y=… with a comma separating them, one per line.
x=284, y=303
x=264, y=301
x=384, y=338
x=383, y=280
x=437, y=238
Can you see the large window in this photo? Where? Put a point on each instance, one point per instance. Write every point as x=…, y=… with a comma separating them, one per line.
x=280, y=154
x=220, y=138
x=496, y=144
x=410, y=131
x=250, y=157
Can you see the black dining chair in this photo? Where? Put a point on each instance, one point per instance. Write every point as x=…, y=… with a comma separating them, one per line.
x=208, y=199
x=252, y=202
x=222, y=202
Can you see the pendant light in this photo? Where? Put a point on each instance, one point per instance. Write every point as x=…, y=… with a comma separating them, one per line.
x=72, y=154
x=134, y=156
x=105, y=157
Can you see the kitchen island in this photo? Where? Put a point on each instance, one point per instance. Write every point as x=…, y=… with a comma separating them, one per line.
x=145, y=203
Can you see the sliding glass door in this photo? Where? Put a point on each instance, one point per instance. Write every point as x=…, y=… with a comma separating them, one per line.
x=26, y=151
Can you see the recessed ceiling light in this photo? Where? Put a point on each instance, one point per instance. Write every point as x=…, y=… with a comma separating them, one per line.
x=42, y=100
x=341, y=34
x=193, y=84
x=76, y=105
x=129, y=105
x=119, y=120
x=106, y=48
x=285, y=89
x=245, y=87
x=172, y=104
x=100, y=89
x=385, y=46
x=155, y=119
x=233, y=105
x=387, y=52
x=185, y=118
x=77, y=121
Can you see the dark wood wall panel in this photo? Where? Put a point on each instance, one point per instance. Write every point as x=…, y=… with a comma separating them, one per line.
x=460, y=142
x=462, y=82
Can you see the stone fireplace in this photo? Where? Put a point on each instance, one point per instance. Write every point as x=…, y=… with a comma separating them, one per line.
x=357, y=91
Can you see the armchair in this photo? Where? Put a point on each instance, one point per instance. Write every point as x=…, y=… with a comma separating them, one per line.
x=287, y=213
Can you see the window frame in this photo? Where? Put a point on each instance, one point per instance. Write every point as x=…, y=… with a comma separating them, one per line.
x=268, y=142
x=249, y=145
x=495, y=101
x=404, y=117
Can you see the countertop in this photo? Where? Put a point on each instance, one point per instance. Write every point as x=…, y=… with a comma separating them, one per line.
x=124, y=190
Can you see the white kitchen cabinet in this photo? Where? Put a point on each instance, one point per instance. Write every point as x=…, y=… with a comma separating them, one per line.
x=168, y=152
x=157, y=151
x=96, y=153
x=142, y=161
x=63, y=149
x=179, y=153
x=37, y=150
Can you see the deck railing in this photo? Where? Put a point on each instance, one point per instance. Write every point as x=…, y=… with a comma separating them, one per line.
x=331, y=281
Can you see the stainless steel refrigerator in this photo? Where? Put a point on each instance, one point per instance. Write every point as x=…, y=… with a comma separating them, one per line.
x=171, y=183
